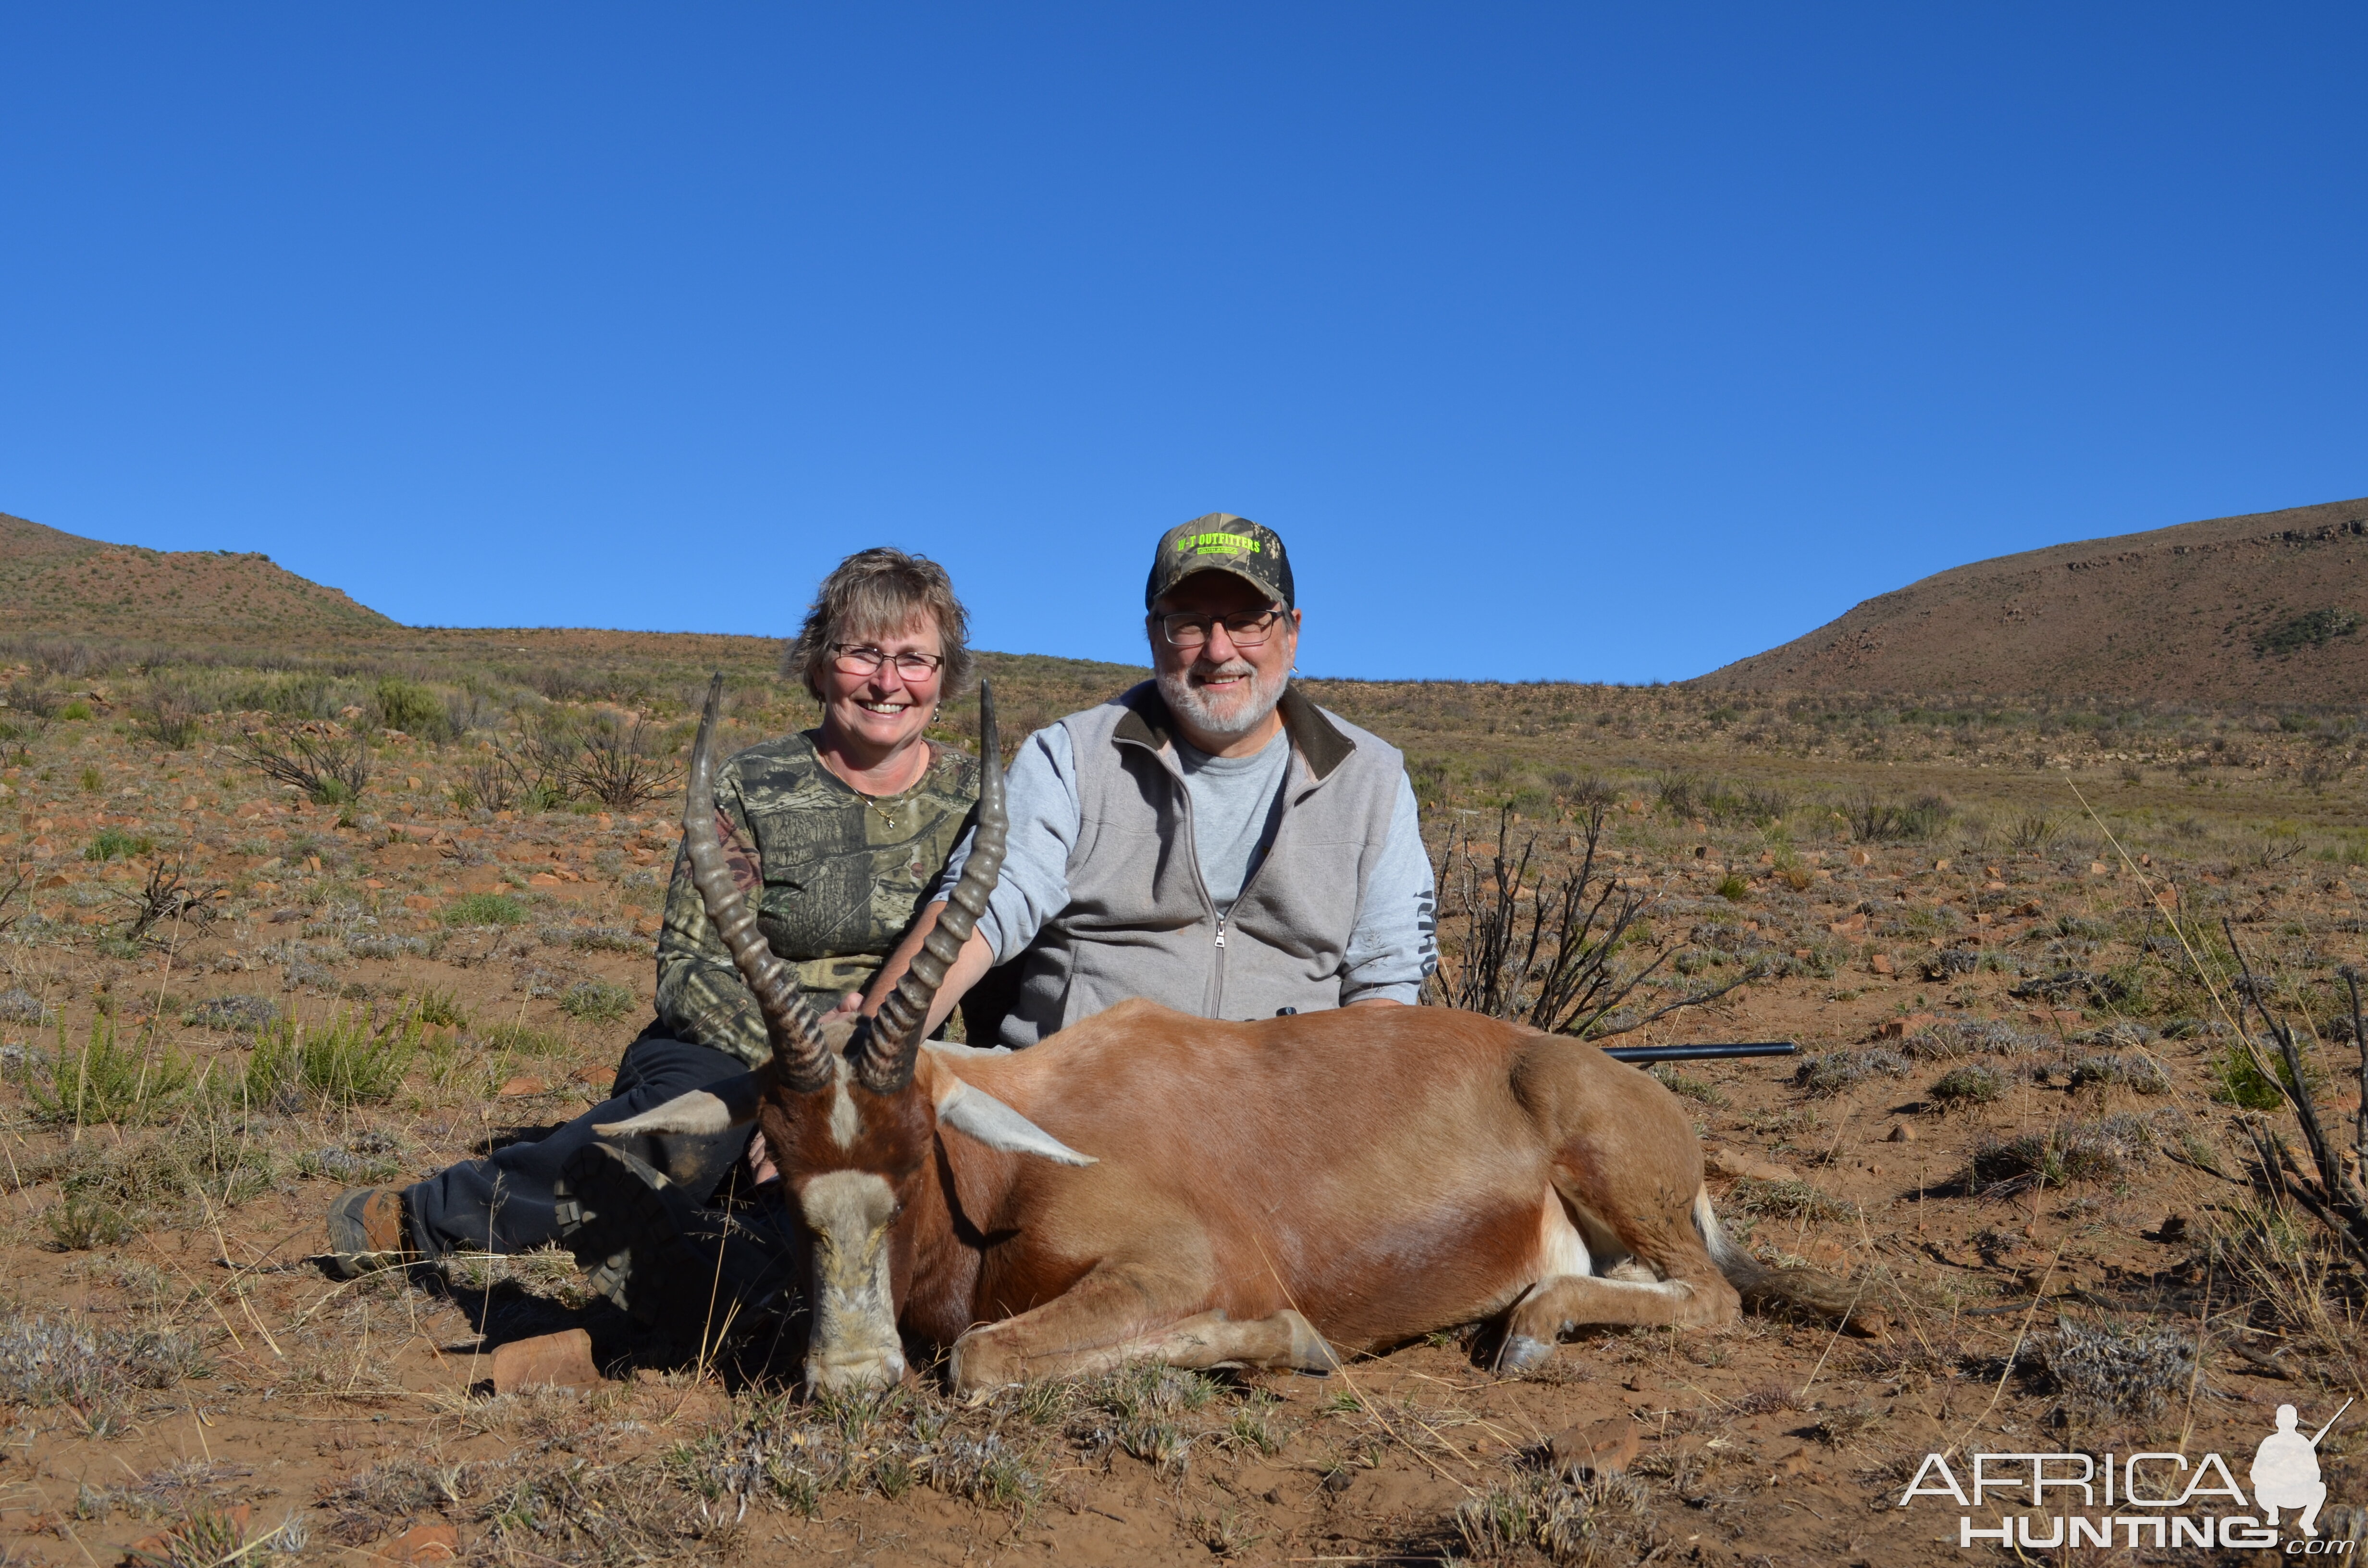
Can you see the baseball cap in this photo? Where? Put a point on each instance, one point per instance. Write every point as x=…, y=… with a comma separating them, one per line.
x=1221, y=542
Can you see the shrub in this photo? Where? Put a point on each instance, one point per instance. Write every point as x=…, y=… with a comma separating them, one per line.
x=1678, y=1083
x=2080, y=1151
x=92, y=780
x=2141, y=1075
x=114, y=843
x=1838, y=1070
x=343, y=1063
x=595, y=1001
x=439, y=1009
x=2237, y=1080
x=80, y=1225
x=330, y=773
x=407, y=706
x=486, y=909
x=1973, y=1084
x=76, y=712
x=107, y=1082
x=1732, y=887
x=233, y=1013
x=2105, y=1368
x=168, y=715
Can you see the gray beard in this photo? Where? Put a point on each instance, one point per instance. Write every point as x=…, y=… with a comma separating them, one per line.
x=1243, y=715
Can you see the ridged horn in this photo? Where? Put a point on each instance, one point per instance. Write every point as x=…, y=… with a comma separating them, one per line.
x=885, y=1065
x=790, y=1022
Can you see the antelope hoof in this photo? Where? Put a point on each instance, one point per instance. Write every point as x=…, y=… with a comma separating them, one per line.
x=1309, y=1353
x=1520, y=1354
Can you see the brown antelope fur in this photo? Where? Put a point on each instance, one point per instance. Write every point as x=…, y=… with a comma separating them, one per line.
x=1150, y=1185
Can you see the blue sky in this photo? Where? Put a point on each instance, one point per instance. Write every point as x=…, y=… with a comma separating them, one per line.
x=1557, y=342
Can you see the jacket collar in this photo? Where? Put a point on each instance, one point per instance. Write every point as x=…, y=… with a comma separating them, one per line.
x=1147, y=723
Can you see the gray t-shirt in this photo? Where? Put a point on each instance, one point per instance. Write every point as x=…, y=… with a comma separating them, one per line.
x=1234, y=803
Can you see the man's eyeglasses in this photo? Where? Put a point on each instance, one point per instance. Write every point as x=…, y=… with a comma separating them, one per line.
x=861, y=659
x=1188, y=631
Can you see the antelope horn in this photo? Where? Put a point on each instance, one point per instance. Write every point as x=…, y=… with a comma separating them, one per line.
x=790, y=1022
x=885, y=1064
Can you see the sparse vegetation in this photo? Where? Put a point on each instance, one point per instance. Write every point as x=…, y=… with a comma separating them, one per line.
x=396, y=981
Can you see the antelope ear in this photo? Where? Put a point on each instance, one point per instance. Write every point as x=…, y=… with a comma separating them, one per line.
x=996, y=1125
x=718, y=1107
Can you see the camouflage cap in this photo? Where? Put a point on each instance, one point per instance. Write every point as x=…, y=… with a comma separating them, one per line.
x=1221, y=542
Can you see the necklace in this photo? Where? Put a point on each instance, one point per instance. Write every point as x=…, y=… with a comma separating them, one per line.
x=887, y=818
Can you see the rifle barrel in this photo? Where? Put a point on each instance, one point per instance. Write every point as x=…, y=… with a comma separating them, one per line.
x=1699, y=1052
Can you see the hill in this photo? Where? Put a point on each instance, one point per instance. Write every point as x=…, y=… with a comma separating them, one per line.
x=2265, y=608
x=52, y=581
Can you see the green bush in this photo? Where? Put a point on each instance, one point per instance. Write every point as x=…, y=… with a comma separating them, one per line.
x=345, y=1062
x=114, y=843
x=407, y=706
x=486, y=909
x=75, y=711
x=2236, y=1080
x=106, y=1081
x=439, y=1009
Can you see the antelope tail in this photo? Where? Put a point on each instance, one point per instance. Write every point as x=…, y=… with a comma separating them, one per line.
x=1760, y=1285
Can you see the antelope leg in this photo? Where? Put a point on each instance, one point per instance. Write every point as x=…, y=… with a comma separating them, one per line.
x=1102, y=1323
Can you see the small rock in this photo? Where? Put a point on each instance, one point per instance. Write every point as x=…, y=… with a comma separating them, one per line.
x=1861, y=857
x=1941, y=864
x=553, y=1360
x=1339, y=1481
x=423, y=1543
x=1595, y=1447
x=523, y=1086
x=1906, y=1024
x=1869, y=1322
x=1900, y=1134
x=1881, y=963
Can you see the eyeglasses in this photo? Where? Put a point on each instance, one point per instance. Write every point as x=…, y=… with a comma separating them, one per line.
x=849, y=659
x=1188, y=631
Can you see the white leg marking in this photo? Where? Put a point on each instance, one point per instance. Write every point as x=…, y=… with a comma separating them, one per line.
x=1561, y=1250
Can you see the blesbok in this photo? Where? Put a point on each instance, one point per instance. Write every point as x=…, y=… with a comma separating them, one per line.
x=1148, y=1185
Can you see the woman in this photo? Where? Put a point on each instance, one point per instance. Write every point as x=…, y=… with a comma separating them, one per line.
x=838, y=831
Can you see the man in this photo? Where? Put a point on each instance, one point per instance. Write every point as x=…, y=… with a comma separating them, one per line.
x=2285, y=1473
x=1210, y=840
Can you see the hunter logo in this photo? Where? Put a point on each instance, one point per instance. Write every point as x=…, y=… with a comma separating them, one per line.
x=2156, y=1500
x=1218, y=544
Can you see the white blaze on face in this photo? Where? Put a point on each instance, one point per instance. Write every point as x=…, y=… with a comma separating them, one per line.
x=855, y=1342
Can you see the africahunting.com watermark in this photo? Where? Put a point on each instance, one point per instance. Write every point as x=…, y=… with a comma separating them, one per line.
x=2157, y=1500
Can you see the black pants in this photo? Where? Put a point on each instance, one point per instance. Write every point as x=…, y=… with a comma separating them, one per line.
x=504, y=1203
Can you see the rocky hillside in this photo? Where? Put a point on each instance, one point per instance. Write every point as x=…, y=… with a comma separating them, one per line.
x=2266, y=608
x=56, y=582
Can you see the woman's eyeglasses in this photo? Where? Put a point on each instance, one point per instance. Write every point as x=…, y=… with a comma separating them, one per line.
x=861, y=659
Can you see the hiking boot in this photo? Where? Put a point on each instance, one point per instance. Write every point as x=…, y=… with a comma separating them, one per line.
x=367, y=1232
x=663, y=1259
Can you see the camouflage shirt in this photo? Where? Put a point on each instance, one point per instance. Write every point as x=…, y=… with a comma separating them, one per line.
x=839, y=876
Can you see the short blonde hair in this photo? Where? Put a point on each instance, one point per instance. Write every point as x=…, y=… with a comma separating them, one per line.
x=874, y=592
